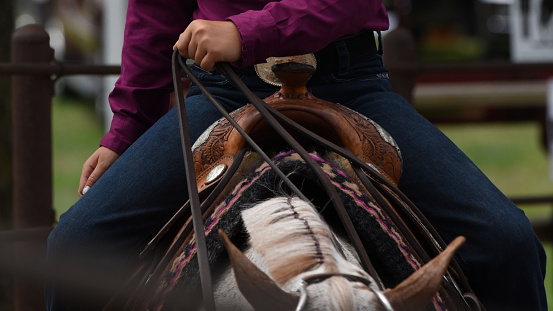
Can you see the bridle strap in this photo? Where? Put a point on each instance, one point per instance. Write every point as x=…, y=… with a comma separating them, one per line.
x=318, y=278
x=194, y=198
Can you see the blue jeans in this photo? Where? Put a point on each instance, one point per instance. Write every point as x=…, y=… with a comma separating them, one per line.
x=503, y=259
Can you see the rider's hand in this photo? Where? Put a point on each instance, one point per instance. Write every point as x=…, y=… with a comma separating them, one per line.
x=208, y=42
x=95, y=167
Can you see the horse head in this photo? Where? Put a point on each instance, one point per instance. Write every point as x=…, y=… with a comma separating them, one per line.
x=308, y=270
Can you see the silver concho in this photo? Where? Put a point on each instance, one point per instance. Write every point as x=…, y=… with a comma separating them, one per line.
x=215, y=173
x=266, y=74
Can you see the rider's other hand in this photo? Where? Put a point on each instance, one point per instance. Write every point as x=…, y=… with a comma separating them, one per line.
x=95, y=167
x=208, y=42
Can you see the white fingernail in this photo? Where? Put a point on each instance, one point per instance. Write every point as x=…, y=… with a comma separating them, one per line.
x=85, y=190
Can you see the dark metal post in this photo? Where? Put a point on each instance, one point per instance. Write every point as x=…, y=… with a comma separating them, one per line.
x=401, y=59
x=400, y=55
x=6, y=180
x=32, y=149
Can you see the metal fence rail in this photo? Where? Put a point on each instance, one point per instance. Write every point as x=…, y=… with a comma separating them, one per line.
x=58, y=69
x=34, y=72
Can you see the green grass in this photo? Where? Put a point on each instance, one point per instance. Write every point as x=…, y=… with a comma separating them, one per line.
x=515, y=160
x=511, y=155
x=549, y=274
x=76, y=133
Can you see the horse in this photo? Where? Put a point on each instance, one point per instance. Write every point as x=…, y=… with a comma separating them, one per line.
x=268, y=208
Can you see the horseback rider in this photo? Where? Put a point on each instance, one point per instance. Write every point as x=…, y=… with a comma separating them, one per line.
x=135, y=181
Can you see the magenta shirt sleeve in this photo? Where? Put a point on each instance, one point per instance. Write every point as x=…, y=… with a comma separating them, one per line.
x=280, y=28
x=142, y=93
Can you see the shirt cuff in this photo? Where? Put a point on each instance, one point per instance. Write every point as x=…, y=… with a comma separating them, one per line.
x=124, y=131
x=259, y=36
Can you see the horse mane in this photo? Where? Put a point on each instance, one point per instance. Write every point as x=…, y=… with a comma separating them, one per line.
x=295, y=243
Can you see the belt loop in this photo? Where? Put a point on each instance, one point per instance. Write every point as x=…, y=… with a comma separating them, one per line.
x=379, y=47
x=343, y=56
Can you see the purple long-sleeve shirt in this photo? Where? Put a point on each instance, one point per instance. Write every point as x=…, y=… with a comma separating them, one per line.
x=267, y=28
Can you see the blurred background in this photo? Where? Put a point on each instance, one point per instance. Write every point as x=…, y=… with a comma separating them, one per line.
x=481, y=73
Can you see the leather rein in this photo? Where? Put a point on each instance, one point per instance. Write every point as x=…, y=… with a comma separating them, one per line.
x=318, y=278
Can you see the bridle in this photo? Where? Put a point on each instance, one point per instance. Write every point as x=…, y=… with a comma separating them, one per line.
x=318, y=278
